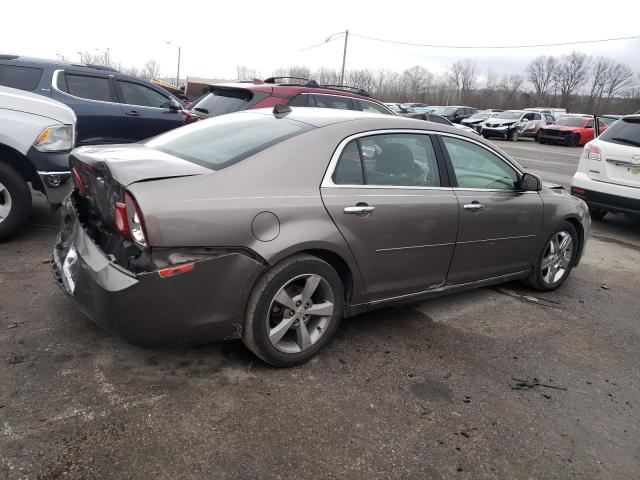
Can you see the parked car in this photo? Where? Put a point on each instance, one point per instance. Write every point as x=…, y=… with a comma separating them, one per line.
x=417, y=107
x=513, y=124
x=608, y=175
x=225, y=233
x=455, y=113
x=476, y=120
x=552, y=112
x=110, y=107
x=432, y=117
x=299, y=92
x=36, y=136
x=570, y=130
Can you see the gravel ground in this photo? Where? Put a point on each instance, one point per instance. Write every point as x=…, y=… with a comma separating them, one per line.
x=422, y=392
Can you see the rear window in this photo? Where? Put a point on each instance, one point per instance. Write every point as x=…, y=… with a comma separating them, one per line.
x=227, y=100
x=23, y=78
x=624, y=132
x=219, y=142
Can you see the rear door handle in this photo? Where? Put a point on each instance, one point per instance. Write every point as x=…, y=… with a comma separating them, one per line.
x=132, y=113
x=474, y=206
x=359, y=209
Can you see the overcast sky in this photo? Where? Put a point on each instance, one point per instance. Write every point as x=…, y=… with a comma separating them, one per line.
x=216, y=36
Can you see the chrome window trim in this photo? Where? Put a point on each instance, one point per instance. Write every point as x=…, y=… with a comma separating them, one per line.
x=54, y=85
x=327, y=180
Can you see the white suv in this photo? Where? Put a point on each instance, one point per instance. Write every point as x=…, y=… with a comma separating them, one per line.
x=36, y=136
x=608, y=176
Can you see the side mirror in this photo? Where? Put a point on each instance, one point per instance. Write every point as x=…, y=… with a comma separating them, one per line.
x=530, y=182
x=175, y=108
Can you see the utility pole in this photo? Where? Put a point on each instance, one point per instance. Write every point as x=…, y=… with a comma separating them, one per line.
x=344, y=56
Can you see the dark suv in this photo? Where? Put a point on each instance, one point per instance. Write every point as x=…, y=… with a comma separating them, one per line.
x=455, y=113
x=110, y=107
x=299, y=92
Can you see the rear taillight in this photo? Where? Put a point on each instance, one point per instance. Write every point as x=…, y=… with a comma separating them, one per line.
x=128, y=220
x=577, y=191
x=591, y=152
x=190, y=117
x=77, y=179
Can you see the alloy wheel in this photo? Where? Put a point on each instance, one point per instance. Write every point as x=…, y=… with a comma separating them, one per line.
x=5, y=202
x=300, y=313
x=557, y=257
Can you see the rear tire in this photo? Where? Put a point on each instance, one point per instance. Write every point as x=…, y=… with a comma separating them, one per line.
x=284, y=325
x=597, y=213
x=555, y=260
x=15, y=201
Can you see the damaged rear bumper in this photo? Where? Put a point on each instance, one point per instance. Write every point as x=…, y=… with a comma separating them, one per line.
x=202, y=305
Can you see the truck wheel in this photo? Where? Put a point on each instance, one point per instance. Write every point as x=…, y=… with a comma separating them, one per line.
x=15, y=201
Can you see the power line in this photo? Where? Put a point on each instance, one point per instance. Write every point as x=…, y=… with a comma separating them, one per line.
x=330, y=39
x=580, y=42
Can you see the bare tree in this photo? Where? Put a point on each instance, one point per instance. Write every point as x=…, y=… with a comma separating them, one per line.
x=541, y=73
x=151, y=69
x=326, y=76
x=416, y=81
x=571, y=75
x=510, y=87
x=94, y=59
x=599, y=78
x=246, y=73
x=463, y=76
x=364, y=79
x=620, y=78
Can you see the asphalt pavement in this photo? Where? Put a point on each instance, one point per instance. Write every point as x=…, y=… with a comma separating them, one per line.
x=425, y=392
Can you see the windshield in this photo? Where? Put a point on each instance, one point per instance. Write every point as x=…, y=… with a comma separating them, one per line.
x=219, y=142
x=508, y=115
x=625, y=132
x=571, y=122
x=480, y=116
x=445, y=110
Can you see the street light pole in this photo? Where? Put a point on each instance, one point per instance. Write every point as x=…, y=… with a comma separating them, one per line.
x=178, y=72
x=344, y=56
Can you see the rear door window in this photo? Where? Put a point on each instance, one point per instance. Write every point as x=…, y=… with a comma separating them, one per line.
x=301, y=100
x=227, y=100
x=92, y=88
x=332, y=101
x=625, y=131
x=372, y=107
x=23, y=78
x=136, y=94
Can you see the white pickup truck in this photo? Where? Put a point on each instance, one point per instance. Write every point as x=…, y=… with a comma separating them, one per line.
x=36, y=136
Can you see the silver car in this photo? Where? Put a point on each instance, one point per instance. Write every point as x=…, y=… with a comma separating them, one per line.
x=272, y=226
x=514, y=124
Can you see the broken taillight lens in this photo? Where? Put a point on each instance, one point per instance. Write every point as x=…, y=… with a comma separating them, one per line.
x=129, y=221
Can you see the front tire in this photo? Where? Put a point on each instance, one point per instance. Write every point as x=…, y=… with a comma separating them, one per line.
x=15, y=201
x=556, y=260
x=294, y=311
x=513, y=135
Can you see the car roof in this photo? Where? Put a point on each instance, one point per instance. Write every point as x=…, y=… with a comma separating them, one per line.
x=40, y=62
x=321, y=117
x=292, y=89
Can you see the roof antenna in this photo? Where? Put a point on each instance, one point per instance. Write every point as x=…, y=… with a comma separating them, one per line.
x=281, y=110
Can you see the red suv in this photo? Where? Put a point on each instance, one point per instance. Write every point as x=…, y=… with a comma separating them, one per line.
x=231, y=97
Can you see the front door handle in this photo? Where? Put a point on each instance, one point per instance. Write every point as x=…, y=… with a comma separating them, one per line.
x=132, y=113
x=359, y=210
x=474, y=206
